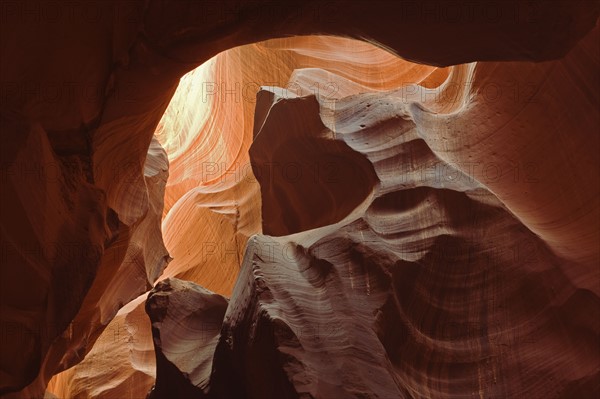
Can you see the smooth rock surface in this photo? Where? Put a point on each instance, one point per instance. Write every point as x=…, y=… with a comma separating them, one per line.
x=186, y=323
x=85, y=85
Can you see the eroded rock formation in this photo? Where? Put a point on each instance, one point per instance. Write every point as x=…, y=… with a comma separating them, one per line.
x=377, y=306
x=222, y=194
x=84, y=86
x=186, y=324
x=438, y=306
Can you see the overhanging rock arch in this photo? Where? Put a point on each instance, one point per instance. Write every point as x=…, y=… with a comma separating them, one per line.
x=133, y=58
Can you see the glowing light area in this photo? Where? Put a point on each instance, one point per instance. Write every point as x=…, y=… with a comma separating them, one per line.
x=188, y=111
x=200, y=130
x=212, y=200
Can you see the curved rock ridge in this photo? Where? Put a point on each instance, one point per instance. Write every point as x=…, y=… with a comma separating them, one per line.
x=208, y=128
x=126, y=272
x=307, y=180
x=429, y=288
x=127, y=340
x=437, y=237
x=186, y=323
x=85, y=85
x=355, y=316
x=528, y=110
x=454, y=97
x=223, y=195
x=75, y=231
x=97, y=375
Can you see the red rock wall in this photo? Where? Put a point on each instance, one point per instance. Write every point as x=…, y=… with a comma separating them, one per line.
x=84, y=86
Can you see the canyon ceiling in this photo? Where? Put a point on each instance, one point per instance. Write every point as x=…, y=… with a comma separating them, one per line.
x=300, y=199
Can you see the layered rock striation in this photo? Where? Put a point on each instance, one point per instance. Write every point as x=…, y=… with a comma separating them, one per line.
x=380, y=305
x=85, y=85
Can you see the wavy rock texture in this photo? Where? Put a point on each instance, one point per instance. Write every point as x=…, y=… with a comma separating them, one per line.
x=63, y=336
x=208, y=129
x=431, y=287
x=186, y=323
x=86, y=84
x=144, y=259
x=127, y=340
x=223, y=195
x=452, y=305
x=307, y=180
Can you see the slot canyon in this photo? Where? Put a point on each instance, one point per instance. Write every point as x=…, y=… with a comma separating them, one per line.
x=300, y=199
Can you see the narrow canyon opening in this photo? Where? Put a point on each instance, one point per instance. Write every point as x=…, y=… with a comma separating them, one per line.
x=212, y=198
x=228, y=205
x=208, y=129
